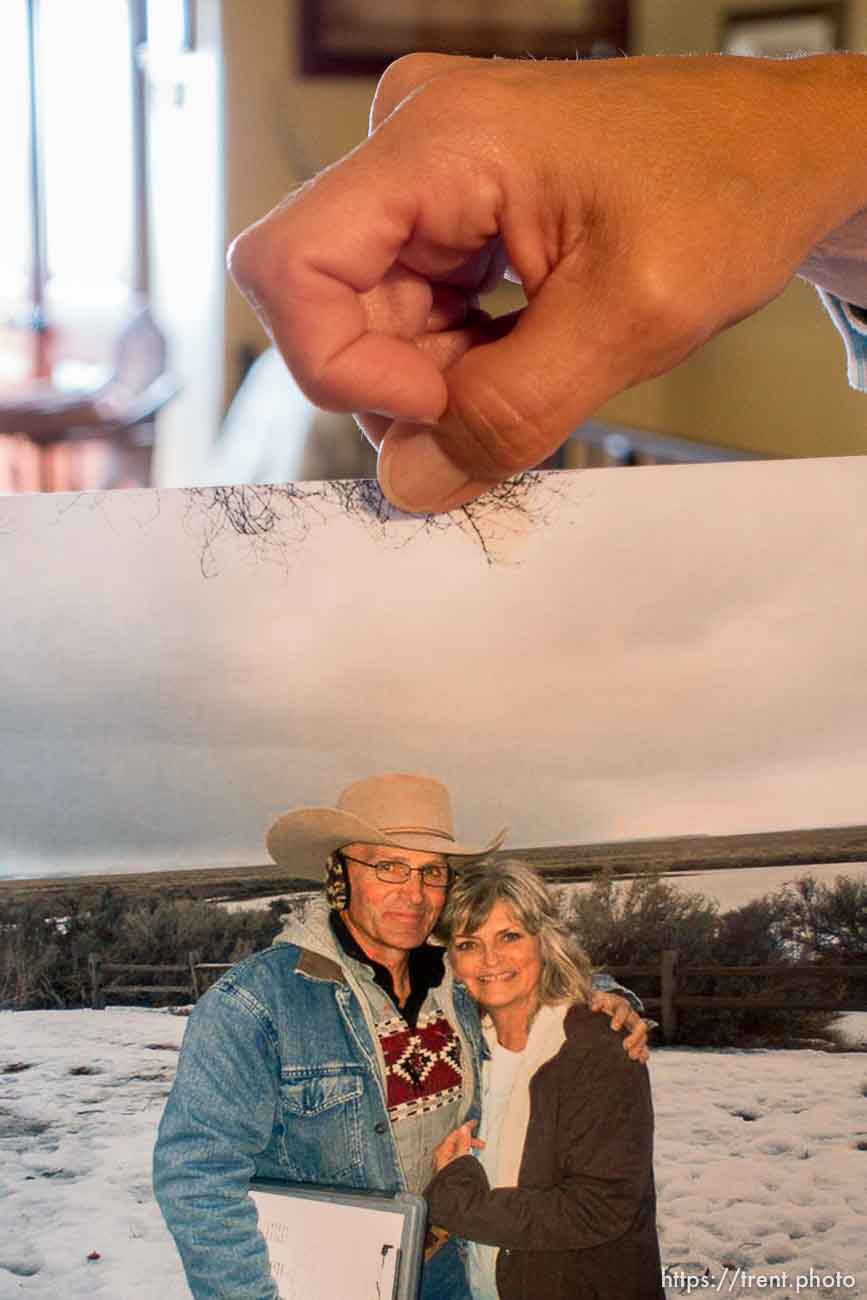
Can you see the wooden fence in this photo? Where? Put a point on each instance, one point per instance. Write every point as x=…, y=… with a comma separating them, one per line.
x=672, y=999
x=192, y=987
x=674, y=978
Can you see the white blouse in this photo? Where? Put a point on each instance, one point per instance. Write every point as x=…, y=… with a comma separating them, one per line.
x=498, y=1079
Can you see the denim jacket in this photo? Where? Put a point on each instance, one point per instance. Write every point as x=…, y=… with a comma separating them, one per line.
x=852, y=324
x=280, y=1076
x=837, y=266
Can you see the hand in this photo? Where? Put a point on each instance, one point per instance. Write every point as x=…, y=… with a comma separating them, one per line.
x=624, y=1017
x=644, y=204
x=458, y=1143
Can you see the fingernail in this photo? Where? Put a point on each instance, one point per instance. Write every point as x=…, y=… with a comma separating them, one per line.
x=404, y=420
x=416, y=474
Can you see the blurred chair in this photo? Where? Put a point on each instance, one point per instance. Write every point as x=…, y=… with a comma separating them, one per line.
x=56, y=437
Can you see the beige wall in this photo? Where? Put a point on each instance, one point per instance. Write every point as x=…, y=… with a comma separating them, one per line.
x=775, y=383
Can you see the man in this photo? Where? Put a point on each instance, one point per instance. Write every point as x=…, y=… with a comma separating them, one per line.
x=343, y=1054
x=645, y=205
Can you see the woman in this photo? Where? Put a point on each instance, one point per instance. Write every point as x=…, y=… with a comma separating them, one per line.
x=567, y=1120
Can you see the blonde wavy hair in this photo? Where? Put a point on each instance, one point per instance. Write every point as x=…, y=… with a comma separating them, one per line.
x=566, y=968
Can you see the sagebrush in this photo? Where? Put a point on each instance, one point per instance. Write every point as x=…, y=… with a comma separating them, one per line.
x=633, y=923
x=44, y=959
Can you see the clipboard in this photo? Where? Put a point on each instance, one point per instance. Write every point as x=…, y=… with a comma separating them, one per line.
x=325, y=1242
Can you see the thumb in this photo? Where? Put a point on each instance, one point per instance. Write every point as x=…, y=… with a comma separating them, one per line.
x=512, y=401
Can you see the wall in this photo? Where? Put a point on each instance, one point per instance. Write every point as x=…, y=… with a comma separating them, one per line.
x=775, y=383
x=187, y=243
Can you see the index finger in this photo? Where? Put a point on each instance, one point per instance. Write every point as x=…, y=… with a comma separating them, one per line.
x=304, y=267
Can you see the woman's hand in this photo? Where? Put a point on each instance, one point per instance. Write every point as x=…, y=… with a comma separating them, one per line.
x=459, y=1143
x=624, y=1017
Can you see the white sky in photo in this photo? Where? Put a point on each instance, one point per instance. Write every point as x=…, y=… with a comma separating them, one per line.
x=666, y=651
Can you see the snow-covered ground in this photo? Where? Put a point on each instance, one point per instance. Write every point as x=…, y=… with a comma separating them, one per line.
x=761, y=1163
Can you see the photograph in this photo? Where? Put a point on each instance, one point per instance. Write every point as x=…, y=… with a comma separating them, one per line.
x=433, y=861
x=648, y=686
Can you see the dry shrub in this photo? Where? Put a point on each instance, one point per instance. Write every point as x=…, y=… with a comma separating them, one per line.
x=44, y=960
x=632, y=923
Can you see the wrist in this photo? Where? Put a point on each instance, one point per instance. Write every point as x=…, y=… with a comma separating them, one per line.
x=837, y=261
x=827, y=97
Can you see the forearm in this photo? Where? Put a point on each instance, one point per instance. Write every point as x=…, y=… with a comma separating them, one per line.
x=247, y=1275
x=837, y=262
x=214, y=1224
x=823, y=105
x=219, y=1115
x=579, y=1214
x=587, y=1161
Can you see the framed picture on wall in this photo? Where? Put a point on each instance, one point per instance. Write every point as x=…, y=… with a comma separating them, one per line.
x=777, y=33
x=346, y=37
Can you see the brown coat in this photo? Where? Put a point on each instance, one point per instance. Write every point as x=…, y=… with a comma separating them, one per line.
x=581, y=1223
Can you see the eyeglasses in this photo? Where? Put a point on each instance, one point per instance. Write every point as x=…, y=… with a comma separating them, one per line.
x=394, y=871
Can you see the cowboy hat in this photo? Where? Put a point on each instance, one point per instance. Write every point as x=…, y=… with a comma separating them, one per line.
x=396, y=810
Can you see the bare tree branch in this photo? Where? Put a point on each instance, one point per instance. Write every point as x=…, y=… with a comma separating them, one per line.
x=276, y=518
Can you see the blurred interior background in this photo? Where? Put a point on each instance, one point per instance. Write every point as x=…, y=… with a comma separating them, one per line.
x=139, y=136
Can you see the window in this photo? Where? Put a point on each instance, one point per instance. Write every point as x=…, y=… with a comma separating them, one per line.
x=81, y=359
x=15, y=212
x=72, y=225
x=85, y=93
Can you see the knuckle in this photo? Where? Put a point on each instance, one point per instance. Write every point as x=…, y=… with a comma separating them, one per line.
x=251, y=260
x=241, y=258
x=318, y=391
x=668, y=309
x=446, y=79
x=401, y=78
x=264, y=249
